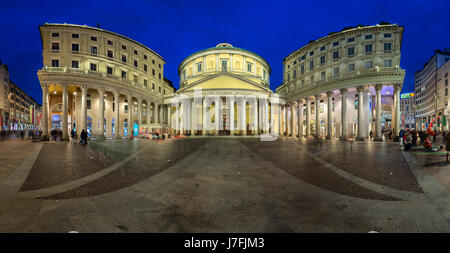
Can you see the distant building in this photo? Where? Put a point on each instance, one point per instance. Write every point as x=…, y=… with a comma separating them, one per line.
x=407, y=105
x=4, y=91
x=443, y=97
x=427, y=92
x=23, y=110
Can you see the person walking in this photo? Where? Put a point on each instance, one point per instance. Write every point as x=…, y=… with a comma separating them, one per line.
x=22, y=134
x=83, y=137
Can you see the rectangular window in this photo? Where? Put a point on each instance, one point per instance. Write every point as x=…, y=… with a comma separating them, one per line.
x=75, y=64
x=294, y=73
x=124, y=74
x=322, y=75
x=145, y=57
x=351, y=67
x=75, y=35
x=368, y=48
x=350, y=51
x=295, y=62
x=335, y=55
x=288, y=77
x=125, y=108
x=159, y=74
x=124, y=58
x=93, y=50
x=322, y=48
x=322, y=60
x=145, y=82
x=387, y=63
x=368, y=64
x=264, y=74
x=336, y=43
x=75, y=47
x=446, y=92
x=88, y=103
x=55, y=35
x=55, y=63
x=135, y=52
x=110, y=54
x=368, y=37
x=93, y=38
x=93, y=67
x=311, y=53
x=145, y=67
x=302, y=69
x=387, y=46
x=164, y=91
x=387, y=35
x=311, y=80
x=349, y=40
x=153, y=61
x=153, y=86
x=136, y=63
x=311, y=64
x=135, y=78
x=159, y=89
x=153, y=72
x=199, y=67
x=55, y=46
x=110, y=42
x=249, y=67
x=335, y=71
x=159, y=66
x=109, y=70
x=124, y=47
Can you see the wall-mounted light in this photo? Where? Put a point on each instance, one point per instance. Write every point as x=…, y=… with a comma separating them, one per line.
x=74, y=93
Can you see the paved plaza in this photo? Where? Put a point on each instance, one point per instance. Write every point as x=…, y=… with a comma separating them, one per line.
x=217, y=184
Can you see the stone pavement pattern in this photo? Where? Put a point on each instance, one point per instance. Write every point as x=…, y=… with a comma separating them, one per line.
x=226, y=185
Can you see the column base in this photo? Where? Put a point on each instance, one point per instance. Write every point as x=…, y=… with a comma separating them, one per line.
x=378, y=139
x=328, y=137
x=343, y=138
x=360, y=138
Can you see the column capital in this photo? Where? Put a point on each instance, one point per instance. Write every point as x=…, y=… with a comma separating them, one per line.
x=44, y=85
x=329, y=93
x=84, y=88
x=65, y=86
x=317, y=96
x=397, y=86
x=361, y=88
x=307, y=99
x=378, y=87
x=116, y=93
x=343, y=90
x=101, y=90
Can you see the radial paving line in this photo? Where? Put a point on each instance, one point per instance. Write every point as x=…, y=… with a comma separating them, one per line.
x=79, y=182
x=12, y=184
x=362, y=182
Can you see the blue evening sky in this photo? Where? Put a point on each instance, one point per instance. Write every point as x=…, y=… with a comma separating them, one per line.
x=175, y=29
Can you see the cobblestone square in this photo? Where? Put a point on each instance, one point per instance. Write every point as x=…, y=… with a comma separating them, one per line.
x=216, y=184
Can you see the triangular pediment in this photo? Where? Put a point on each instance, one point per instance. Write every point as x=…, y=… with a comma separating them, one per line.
x=225, y=81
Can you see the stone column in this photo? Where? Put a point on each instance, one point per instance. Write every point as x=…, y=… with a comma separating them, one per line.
x=329, y=121
x=378, y=136
x=286, y=121
x=308, y=113
x=256, y=109
x=216, y=116
x=139, y=115
x=231, y=115
x=317, y=116
x=130, y=116
x=204, y=118
x=292, y=119
x=155, y=111
x=300, y=118
x=44, y=111
x=243, y=116
x=169, y=116
x=266, y=122
x=193, y=116
x=360, y=136
x=147, y=107
x=83, y=121
x=397, y=89
x=116, y=114
x=279, y=118
x=65, y=134
x=344, y=114
x=101, y=109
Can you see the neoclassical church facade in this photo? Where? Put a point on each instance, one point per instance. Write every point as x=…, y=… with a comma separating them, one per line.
x=91, y=74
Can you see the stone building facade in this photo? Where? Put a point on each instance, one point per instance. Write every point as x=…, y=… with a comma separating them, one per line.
x=358, y=65
x=100, y=81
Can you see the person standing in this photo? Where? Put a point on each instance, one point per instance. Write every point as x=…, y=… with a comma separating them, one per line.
x=83, y=137
x=447, y=144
